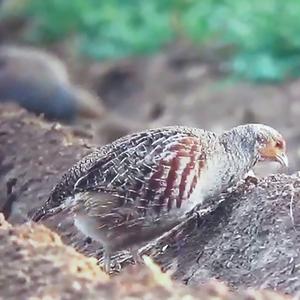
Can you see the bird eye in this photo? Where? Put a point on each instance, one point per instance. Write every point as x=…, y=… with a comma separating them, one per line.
x=261, y=140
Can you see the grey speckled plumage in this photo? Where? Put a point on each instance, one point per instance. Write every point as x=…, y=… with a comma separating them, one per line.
x=142, y=185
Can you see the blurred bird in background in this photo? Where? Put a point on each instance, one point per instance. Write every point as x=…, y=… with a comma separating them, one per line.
x=39, y=82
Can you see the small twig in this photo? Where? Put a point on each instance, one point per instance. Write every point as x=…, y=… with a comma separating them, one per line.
x=291, y=205
x=161, y=244
x=10, y=197
x=161, y=240
x=194, y=216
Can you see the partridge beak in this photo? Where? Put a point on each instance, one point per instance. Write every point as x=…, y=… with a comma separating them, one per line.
x=282, y=159
x=272, y=153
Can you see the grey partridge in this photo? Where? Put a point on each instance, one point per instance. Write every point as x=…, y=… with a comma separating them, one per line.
x=142, y=185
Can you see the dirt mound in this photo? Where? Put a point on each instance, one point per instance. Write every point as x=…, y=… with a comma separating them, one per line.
x=251, y=239
x=35, y=264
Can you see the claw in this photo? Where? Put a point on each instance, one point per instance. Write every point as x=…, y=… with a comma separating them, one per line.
x=251, y=180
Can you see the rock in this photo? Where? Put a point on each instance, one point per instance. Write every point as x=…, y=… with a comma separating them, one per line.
x=33, y=154
x=251, y=239
x=35, y=264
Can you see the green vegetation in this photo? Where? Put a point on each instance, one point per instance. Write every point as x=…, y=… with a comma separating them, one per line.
x=264, y=35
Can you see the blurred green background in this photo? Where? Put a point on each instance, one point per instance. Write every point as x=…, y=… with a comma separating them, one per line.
x=257, y=40
x=136, y=64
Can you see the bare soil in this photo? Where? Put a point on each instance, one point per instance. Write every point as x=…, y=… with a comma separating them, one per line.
x=181, y=87
x=249, y=240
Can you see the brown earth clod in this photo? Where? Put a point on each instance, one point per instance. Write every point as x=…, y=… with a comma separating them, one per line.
x=250, y=240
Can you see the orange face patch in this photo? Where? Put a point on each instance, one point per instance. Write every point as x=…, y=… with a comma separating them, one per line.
x=268, y=152
x=274, y=151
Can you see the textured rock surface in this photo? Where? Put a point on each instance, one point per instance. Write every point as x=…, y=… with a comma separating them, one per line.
x=35, y=264
x=33, y=154
x=251, y=240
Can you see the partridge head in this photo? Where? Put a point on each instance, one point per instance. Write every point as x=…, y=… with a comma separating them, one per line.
x=142, y=185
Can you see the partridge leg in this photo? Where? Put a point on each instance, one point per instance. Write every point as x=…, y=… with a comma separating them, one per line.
x=136, y=256
x=107, y=261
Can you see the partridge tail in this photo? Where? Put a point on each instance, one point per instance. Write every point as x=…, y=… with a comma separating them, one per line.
x=43, y=212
